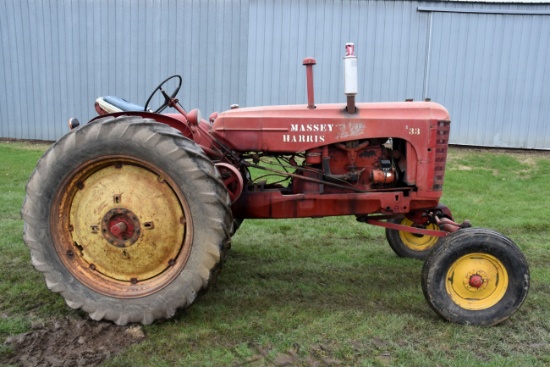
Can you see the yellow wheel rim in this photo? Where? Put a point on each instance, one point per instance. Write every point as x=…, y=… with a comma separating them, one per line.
x=477, y=281
x=418, y=242
x=120, y=227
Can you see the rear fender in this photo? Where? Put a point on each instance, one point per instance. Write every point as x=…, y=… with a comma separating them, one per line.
x=176, y=121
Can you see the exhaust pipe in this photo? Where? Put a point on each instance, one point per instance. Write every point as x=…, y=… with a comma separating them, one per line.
x=350, y=77
x=309, y=62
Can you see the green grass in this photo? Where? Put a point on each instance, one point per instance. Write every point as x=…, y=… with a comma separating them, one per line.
x=22, y=295
x=322, y=291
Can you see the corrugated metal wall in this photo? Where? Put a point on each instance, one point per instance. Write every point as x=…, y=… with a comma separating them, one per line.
x=490, y=70
x=390, y=38
x=59, y=55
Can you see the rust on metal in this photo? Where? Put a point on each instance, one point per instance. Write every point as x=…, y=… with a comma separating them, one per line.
x=147, y=255
x=119, y=228
x=308, y=63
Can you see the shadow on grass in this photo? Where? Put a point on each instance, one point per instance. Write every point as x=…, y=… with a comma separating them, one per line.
x=259, y=292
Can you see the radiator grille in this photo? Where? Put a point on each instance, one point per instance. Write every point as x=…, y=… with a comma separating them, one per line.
x=441, y=147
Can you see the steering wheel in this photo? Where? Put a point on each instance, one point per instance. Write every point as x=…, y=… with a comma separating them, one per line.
x=167, y=97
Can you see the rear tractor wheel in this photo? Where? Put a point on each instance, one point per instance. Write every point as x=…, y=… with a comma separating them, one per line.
x=127, y=219
x=411, y=245
x=475, y=276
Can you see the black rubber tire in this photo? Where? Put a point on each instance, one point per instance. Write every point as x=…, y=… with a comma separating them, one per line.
x=237, y=222
x=401, y=249
x=453, y=248
x=183, y=162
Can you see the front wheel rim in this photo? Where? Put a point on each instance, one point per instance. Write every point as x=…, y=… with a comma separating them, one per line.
x=477, y=281
x=417, y=242
x=121, y=227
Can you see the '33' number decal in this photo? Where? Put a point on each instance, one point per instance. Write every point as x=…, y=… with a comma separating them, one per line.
x=413, y=130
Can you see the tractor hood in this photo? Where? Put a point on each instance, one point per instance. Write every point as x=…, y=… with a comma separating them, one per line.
x=296, y=128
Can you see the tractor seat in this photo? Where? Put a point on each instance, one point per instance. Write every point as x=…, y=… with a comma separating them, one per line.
x=112, y=104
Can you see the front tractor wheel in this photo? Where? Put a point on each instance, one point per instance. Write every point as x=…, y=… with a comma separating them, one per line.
x=411, y=245
x=475, y=276
x=127, y=219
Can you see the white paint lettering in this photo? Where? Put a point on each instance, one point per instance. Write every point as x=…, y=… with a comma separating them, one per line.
x=311, y=127
x=307, y=138
x=292, y=138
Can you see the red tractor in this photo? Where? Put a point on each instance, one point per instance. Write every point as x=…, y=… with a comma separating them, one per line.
x=130, y=216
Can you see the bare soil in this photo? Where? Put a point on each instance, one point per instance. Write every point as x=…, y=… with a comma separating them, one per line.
x=69, y=342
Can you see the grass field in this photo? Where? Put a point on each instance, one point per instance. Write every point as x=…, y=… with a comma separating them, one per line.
x=315, y=292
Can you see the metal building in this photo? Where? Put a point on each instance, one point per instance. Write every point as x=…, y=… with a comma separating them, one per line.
x=487, y=62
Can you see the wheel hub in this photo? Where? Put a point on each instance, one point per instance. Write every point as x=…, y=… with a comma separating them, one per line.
x=475, y=281
x=120, y=227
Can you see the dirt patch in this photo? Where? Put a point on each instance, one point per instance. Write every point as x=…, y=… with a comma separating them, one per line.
x=69, y=342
